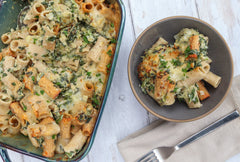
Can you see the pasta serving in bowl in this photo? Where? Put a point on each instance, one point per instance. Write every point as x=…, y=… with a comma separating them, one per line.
x=180, y=59
x=54, y=71
x=175, y=71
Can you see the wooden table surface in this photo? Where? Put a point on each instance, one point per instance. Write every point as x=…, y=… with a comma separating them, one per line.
x=123, y=115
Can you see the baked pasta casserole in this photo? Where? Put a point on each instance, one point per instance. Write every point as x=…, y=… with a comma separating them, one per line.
x=178, y=71
x=53, y=72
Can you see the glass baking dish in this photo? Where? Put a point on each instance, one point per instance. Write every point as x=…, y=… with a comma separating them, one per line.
x=9, y=10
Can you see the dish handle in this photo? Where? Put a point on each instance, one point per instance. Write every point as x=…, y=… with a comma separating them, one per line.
x=4, y=155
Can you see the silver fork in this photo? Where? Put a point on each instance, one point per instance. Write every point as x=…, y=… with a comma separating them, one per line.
x=160, y=154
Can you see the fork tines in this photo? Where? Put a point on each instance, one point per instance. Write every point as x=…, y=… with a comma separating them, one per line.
x=149, y=157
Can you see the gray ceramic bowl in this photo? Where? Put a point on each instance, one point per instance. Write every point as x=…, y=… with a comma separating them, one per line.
x=218, y=51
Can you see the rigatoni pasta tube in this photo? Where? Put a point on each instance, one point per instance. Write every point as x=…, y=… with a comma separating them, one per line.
x=49, y=127
x=39, y=106
x=65, y=134
x=30, y=78
x=13, y=84
x=7, y=52
x=49, y=87
x=32, y=134
x=194, y=42
x=18, y=111
x=6, y=38
x=76, y=143
x=8, y=62
x=34, y=28
x=170, y=97
x=4, y=123
x=34, y=11
x=104, y=61
x=14, y=125
x=99, y=6
x=48, y=39
x=88, y=127
x=202, y=91
x=213, y=79
x=22, y=61
x=48, y=146
x=161, y=85
x=36, y=52
x=87, y=7
x=86, y=87
x=195, y=75
x=65, y=126
x=16, y=45
x=95, y=53
x=43, y=16
x=5, y=101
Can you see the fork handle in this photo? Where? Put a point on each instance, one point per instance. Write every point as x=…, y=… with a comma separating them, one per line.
x=231, y=116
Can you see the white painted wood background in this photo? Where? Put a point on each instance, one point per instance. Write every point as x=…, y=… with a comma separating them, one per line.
x=123, y=115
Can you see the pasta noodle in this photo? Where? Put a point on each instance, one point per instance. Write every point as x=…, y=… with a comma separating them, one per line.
x=212, y=79
x=8, y=62
x=16, y=45
x=4, y=123
x=87, y=7
x=95, y=53
x=5, y=102
x=88, y=127
x=39, y=106
x=14, y=125
x=34, y=28
x=76, y=143
x=6, y=38
x=49, y=87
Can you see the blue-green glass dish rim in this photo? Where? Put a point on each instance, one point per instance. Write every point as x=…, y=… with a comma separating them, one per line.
x=3, y=152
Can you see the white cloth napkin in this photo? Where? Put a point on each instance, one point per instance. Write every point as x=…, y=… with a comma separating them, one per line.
x=218, y=146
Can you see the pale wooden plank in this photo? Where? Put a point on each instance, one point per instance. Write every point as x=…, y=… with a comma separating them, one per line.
x=145, y=13
x=224, y=16
x=123, y=115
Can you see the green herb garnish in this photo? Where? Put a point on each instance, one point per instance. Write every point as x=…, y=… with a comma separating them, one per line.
x=54, y=136
x=108, y=65
x=109, y=52
x=85, y=39
x=176, y=62
x=51, y=39
x=4, y=74
x=89, y=74
x=10, y=113
x=35, y=40
x=24, y=107
x=113, y=40
x=42, y=92
x=33, y=78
